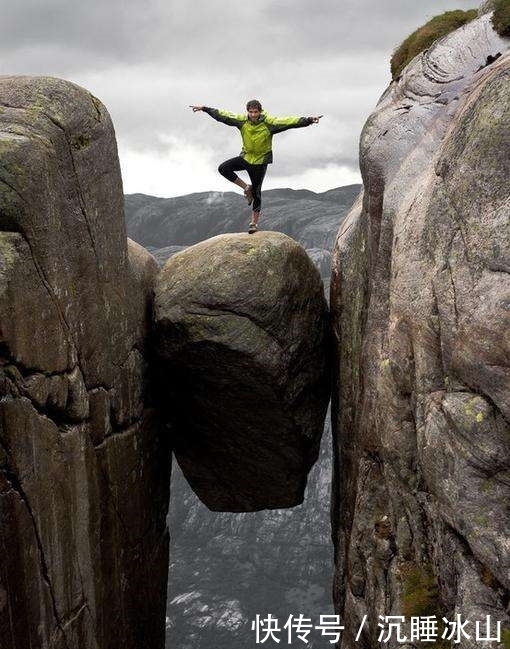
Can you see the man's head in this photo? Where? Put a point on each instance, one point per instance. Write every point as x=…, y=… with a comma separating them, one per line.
x=254, y=108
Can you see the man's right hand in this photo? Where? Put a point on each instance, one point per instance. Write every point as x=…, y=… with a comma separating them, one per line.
x=197, y=108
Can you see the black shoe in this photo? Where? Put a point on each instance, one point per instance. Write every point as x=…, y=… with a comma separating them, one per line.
x=252, y=228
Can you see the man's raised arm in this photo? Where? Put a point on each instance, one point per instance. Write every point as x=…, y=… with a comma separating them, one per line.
x=279, y=124
x=222, y=115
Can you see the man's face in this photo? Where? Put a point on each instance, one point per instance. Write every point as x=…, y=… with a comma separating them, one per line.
x=253, y=114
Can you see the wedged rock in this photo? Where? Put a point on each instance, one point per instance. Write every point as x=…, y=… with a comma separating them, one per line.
x=83, y=469
x=420, y=308
x=240, y=323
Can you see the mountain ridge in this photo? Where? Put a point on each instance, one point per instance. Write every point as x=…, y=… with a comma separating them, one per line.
x=309, y=217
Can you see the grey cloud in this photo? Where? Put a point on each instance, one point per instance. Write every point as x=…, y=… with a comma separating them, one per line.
x=148, y=60
x=102, y=30
x=216, y=35
x=352, y=25
x=285, y=166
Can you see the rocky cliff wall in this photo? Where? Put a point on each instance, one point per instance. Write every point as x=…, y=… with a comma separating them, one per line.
x=83, y=471
x=420, y=305
x=84, y=455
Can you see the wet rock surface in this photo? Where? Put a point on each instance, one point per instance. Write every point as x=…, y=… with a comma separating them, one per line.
x=241, y=335
x=420, y=296
x=83, y=471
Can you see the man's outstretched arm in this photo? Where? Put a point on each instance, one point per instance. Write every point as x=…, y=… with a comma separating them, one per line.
x=222, y=115
x=279, y=124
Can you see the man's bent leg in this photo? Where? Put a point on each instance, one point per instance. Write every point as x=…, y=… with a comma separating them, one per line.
x=228, y=168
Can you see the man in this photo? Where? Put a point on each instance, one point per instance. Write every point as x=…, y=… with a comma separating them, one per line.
x=257, y=130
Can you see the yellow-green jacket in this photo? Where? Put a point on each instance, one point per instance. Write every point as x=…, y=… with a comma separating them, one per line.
x=258, y=136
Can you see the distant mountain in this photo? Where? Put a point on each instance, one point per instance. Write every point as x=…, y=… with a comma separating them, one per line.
x=166, y=226
x=310, y=218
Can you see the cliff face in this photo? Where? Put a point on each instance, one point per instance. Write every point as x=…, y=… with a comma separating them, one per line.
x=84, y=457
x=420, y=306
x=420, y=300
x=83, y=474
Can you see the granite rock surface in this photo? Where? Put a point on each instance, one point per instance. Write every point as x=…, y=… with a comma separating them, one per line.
x=84, y=473
x=241, y=334
x=420, y=307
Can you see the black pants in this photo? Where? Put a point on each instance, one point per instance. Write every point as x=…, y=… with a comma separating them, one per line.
x=255, y=172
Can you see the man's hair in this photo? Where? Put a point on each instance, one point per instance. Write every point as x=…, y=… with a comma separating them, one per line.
x=254, y=103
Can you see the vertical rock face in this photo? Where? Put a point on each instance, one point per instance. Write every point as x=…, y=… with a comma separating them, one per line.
x=241, y=325
x=420, y=305
x=83, y=474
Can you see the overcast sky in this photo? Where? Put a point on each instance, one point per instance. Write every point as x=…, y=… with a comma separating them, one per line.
x=148, y=60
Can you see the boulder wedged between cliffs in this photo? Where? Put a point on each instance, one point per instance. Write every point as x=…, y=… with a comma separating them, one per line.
x=241, y=344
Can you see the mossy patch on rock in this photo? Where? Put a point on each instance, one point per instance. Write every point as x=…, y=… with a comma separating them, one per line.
x=501, y=17
x=425, y=35
x=420, y=598
x=420, y=595
x=80, y=141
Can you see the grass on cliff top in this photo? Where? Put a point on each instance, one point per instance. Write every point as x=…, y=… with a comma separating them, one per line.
x=501, y=17
x=425, y=35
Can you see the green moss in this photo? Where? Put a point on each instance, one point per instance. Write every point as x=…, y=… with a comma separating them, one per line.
x=420, y=598
x=15, y=169
x=481, y=520
x=505, y=638
x=501, y=17
x=80, y=142
x=423, y=37
x=487, y=486
x=8, y=252
x=420, y=595
x=472, y=410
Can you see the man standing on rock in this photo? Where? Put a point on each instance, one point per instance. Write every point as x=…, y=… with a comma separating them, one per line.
x=257, y=130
